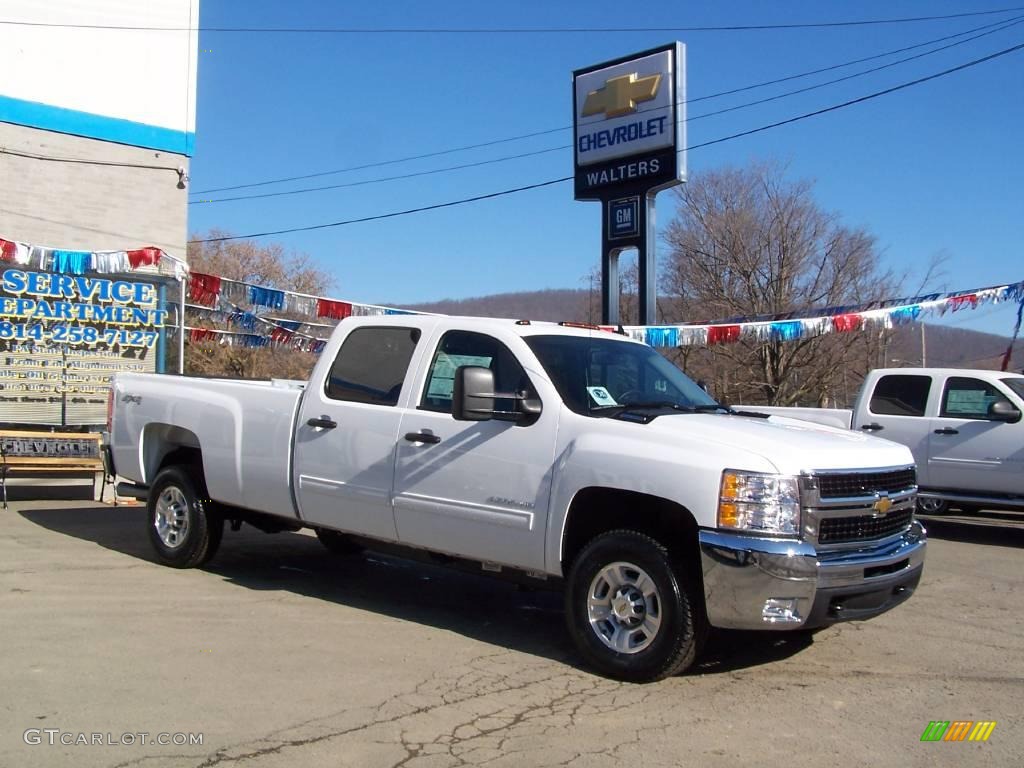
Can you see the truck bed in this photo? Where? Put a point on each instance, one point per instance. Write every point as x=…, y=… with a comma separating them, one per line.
x=244, y=427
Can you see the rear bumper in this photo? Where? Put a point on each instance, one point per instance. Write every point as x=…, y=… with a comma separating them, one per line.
x=757, y=583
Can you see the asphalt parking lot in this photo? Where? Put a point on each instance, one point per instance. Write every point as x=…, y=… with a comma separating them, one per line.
x=281, y=654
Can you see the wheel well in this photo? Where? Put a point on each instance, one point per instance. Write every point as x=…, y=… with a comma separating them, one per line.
x=182, y=455
x=596, y=510
x=165, y=445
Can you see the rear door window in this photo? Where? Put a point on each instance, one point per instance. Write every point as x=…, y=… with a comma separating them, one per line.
x=371, y=365
x=901, y=395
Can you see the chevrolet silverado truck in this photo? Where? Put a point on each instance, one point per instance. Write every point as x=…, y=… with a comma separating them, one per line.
x=566, y=456
x=963, y=426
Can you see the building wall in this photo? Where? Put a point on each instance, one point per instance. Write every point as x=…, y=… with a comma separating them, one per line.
x=69, y=90
x=121, y=70
x=95, y=123
x=89, y=207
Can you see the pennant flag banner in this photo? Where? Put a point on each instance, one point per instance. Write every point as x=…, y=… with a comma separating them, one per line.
x=69, y=262
x=278, y=338
x=843, y=319
x=217, y=299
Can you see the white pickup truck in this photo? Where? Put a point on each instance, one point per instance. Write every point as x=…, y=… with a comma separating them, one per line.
x=963, y=426
x=568, y=456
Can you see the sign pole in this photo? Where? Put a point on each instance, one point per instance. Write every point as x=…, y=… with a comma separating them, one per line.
x=181, y=326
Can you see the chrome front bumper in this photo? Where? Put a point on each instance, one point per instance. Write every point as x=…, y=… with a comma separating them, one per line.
x=747, y=579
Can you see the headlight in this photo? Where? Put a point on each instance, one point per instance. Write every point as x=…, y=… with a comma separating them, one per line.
x=761, y=503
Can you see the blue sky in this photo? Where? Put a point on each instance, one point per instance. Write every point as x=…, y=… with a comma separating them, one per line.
x=933, y=169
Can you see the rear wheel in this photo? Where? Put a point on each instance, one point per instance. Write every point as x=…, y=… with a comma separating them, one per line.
x=183, y=527
x=632, y=609
x=337, y=542
x=929, y=506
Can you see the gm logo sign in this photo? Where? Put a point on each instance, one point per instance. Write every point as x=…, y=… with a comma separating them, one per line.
x=624, y=217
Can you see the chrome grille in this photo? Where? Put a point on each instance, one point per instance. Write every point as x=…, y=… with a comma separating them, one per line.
x=850, y=484
x=836, y=530
x=842, y=508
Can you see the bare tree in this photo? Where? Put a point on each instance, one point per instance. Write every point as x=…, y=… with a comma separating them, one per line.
x=750, y=241
x=265, y=265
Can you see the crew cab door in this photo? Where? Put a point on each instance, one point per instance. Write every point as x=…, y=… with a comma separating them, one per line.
x=347, y=431
x=970, y=451
x=479, y=489
x=897, y=409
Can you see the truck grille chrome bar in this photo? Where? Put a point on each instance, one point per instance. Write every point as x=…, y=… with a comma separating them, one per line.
x=845, y=507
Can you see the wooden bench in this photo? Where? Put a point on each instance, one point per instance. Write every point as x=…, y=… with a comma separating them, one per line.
x=51, y=454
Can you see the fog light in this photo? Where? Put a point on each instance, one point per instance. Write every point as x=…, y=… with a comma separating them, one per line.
x=781, y=610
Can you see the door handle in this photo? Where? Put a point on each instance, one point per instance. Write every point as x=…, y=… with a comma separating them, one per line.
x=422, y=437
x=872, y=427
x=322, y=423
x=947, y=431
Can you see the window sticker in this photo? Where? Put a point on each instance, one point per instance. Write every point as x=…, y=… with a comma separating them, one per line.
x=967, y=401
x=442, y=380
x=601, y=396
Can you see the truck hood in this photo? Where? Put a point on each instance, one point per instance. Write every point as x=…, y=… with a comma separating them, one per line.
x=791, y=445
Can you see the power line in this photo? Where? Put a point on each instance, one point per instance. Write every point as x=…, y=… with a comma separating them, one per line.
x=1012, y=23
x=994, y=27
x=861, y=99
x=518, y=30
x=393, y=214
x=383, y=179
x=83, y=161
x=548, y=131
x=502, y=193
x=506, y=158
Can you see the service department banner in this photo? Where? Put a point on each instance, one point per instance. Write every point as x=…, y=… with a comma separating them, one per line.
x=62, y=337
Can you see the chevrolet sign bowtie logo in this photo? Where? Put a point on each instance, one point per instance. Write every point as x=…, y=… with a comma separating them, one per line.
x=882, y=506
x=620, y=95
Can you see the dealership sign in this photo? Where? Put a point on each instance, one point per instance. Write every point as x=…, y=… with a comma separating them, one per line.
x=629, y=121
x=62, y=337
x=630, y=143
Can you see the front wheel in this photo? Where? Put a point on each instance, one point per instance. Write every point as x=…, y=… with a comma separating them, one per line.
x=183, y=529
x=633, y=610
x=929, y=506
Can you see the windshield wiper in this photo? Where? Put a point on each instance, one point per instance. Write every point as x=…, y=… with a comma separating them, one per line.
x=614, y=410
x=712, y=407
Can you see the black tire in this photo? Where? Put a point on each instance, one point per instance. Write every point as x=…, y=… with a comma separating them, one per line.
x=184, y=527
x=675, y=604
x=337, y=542
x=932, y=506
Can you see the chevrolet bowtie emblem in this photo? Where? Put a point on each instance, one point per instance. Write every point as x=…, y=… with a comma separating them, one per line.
x=620, y=95
x=882, y=506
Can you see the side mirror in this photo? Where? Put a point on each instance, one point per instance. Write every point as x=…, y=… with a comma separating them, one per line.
x=473, y=393
x=1003, y=411
x=474, y=398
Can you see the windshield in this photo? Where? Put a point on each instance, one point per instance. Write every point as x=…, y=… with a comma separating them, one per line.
x=1017, y=385
x=595, y=375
